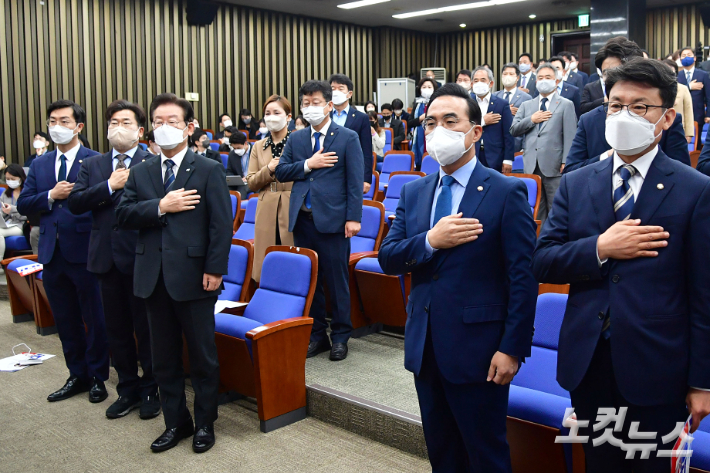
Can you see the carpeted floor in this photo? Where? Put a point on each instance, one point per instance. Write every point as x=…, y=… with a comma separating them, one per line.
x=75, y=436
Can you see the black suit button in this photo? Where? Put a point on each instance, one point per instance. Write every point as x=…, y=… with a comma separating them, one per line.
x=304, y=195
x=601, y=316
x=426, y=308
x=311, y=179
x=435, y=277
x=615, y=278
x=60, y=206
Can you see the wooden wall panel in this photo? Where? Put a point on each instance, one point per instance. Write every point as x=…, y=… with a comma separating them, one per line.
x=669, y=29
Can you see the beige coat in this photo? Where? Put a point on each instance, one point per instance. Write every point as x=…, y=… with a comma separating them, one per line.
x=684, y=106
x=273, y=204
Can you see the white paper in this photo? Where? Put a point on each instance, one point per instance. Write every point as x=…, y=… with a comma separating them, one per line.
x=221, y=305
x=11, y=363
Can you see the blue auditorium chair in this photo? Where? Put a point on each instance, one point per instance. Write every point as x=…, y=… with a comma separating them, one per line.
x=225, y=159
x=370, y=195
x=236, y=199
x=392, y=193
x=245, y=133
x=144, y=146
x=215, y=145
x=429, y=165
x=210, y=136
x=44, y=319
x=237, y=280
x=262, y=347
x=16, y=244
x=518, y=164
x=388, y=139
x=371, y=228
x=394, y=161
x=382, y=297
x=534, y=185
x=701, y=446
x=704, y=134
x=246, y=228
x=20, y=289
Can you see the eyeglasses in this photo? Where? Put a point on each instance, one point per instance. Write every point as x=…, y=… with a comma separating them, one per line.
x=65, y=123
x=449, y=123
x=172, y=123
x=127, y=123
x=634, y=109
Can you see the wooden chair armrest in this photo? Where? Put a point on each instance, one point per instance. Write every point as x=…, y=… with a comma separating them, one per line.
x=235, y=310
x=355, y=257
x=539, y=226
x=391, y=217
x=7, y=261
x=279, y=325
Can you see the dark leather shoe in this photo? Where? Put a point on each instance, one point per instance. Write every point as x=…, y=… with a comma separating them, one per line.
x=150, y=407
x=203, y=439
x=98, y=392
x=315, y=348
x=122, y=406
x=71, y=388
x=172, y=437
x=339, y=352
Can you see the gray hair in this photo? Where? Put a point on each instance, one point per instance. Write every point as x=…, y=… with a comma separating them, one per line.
x=483, y=68
x=549, y=66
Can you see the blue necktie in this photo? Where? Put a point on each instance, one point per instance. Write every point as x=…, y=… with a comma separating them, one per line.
x=316, y=148
x=507, y=97
x=62, y=169
x=543, y=108
x=623, y=194
x=169, y=175
x=688, y=77
x=443, y=203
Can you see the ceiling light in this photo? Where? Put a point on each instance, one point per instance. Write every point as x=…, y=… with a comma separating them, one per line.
x=463, y=25
x=465, y=6
x=361, y=3
x=532, y=16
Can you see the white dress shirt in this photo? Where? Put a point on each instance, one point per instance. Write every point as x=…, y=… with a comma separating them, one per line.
x=549, y=98
x=70, y=157
x=690, y=71
x=127, y=161
x=512, y=93
x=177, y=159
x=483, y=104
x=525, y=80
x=323, y=132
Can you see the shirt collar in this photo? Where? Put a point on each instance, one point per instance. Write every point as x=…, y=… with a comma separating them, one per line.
x=690, y=71
x=462, y=174
x=71, y=154
x=511, y=92
x=549, y=98
x=642, y=164
x=487, y=98
x=323, y=131
x=177, y=159
x=344, y=113
x=130, y=153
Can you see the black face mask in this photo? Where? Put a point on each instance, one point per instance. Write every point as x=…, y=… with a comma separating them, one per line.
x=386, y=117
x=372, y=123
x=206, y=144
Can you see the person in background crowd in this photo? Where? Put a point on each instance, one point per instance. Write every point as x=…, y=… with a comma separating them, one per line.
x=495, y=148
x=426, y=87
x=73, y=291
x=572, y=74
x=370, y=106
x=153, y=147
x=630, y=236
x=564, y=89
x=84, y=142
x=15, y=179
x=249, y=123
x=184, y=237
x=683, y=105
x=40, y=143
x=432, y=75
x=323, y=162
x=238, y=161
x=353, y=119
x=466, y=235
x=527, y=75
x=463, y=78
x=196, y=122
x=271, y=226
x=645, y=54
x=549, y=124
x=399, y=111
x=510, y=77
x=698, y=81
x=263, y=130
x=202, y=146
x=223, y=122
x=388, y=120
x=301, y=123
x=224, y=141
x=112, y=254
x=378, y=137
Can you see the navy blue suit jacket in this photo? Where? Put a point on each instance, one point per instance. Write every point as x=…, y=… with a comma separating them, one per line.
x=479, y=297
x=360, y=123
x=576, y=79
x=590, y=141
x=108, y=245
x=336, y=192
x=498, y=143
x=659, y=307
x=701, y=98
x=73, y=230
x=704, y=159
x=573, y=93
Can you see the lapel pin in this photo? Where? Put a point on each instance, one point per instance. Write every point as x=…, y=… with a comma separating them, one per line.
x=186, y=170
x=331, y=133
x=480, y=188
x=660, y=186
x=80, y=161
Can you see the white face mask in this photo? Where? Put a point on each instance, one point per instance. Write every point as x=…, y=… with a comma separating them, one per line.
x=339, y=97
x=168, y=137
x=300, y=127
x=447, y=146
x=314, y=115
x=275, y=122
x=240, y=152
x=546, y=86
x=122, y=138
x=630, y=135
x=573, y=65
x=509, y=81
x=481, y=89
x=398, y=112
x=426, y=93
x=196, y=123
x=524, y=68
x=227, y=123
x=263, y=130
x=61, y=135
x=39, y=144
x=14, y=184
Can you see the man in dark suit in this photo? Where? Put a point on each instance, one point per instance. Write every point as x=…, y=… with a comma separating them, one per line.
x=572, y=74
x=202, y=145
x=590, y=145
x=399, y=112
x=630, y=235
x=180, y=205
x=514, y=96
x=592, y=96
x=324, y=161
x=472, y=303
x=349, y=117
x=495, y=148
x=112, y=254
x=238, y=161
x=388, y=120
x=566, y=89
x=40, y=143
x=698, y=81
x=73, y=291
x=527, y=76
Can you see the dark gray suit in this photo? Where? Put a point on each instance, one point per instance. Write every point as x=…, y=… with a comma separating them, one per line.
x=518, y=98
x=531, y=84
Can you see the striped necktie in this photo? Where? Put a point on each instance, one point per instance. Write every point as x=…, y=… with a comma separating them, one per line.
x=623, y=194
x=121, y=161
x=169, y=175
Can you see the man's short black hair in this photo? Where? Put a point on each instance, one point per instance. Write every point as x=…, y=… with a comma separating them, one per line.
x=224, y=115
x=650, y=72
x=245, y=112
x=511, y=65
x=312, y=86
x=118, y=105
x=169, y=98
x=433, y=82
x=342, y=79
x=386, y=106
x=565, y=55
x=557, y=58
x=43, y=135
x=620, y=47
x=77, y=111
x=237, y=138
x=198, y=134
x=528, y=55
x=397, y=104
x=687, y=48
x=672, y=64
x=231, y=129
x=464, y=72
x=455, y=90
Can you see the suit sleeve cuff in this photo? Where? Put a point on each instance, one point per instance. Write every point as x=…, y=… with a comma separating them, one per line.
x=599, y=261
x=700, y=389
x=429, y=250
x=306, y=169
x=50, y=201
x=509, y=163
x=110, y=191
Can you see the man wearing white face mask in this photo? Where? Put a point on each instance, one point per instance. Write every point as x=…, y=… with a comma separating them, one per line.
x=73, y=291
x=571, y=74
x=40, y=144
x=238, y=161
x=224, y=122
x=514, y=96
x=472, y=303
x=112, y=254
x=564, y=88
x=527, y=76
x=630, y=234
x=495, y=149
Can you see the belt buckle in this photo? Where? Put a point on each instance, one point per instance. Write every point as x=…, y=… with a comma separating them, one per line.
x=273, y=187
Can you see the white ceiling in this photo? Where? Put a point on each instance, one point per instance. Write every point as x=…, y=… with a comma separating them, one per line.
x=381, y=14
